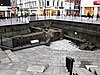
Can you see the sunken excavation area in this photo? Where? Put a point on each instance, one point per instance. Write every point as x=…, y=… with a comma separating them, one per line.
x=32, y=36
x=41, y=32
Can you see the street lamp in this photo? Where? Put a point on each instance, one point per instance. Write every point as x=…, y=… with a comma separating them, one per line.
x=45, y=9
x=70, y=7
x=21, y=10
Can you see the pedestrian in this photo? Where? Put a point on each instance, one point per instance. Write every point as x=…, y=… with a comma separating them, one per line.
x=97, y=17
x=88, y=15
x=75, y=15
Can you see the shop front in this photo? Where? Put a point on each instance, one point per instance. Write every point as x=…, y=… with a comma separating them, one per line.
x=47, y=12
x=77, y=9
x=89, y=10
x=90, y=6
x=50, y=12
x=24, y=11
x=4, y=11
x=41, y=12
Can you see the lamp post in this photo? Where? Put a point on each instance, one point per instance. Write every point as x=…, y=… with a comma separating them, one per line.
x=20, y=8
x=45, y=10
x=70, y=7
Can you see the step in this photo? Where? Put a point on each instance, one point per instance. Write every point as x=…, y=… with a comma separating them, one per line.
x=90, y=66
x=82, y=71
x=95, y=70
x=12, y=56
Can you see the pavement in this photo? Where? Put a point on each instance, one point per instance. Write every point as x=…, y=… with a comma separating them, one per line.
x=47, y=60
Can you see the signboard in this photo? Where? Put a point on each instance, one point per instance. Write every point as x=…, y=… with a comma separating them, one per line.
x=96, y=2
x=76, y=7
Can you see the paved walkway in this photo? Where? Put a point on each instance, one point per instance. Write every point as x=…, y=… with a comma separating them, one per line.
x=21, y=62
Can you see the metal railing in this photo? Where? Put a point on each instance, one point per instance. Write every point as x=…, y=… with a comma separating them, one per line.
x=13, y=20
x=21, y=20
x=67, y=18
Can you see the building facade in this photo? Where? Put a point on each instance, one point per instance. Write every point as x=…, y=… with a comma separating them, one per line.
x=41, y=7
x=5, y=6
x=90, y=6
x=14, y=8
x=72, y=7
x=49, y=7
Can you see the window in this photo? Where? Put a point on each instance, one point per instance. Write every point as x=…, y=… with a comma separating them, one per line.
x=42, y=3
x=61, y=4
x=57, y=3
x=34, y=4
x=53, y=3
x=47, y=3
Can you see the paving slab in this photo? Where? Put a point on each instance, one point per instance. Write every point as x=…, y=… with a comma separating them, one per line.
x=22, y=67
x=12, y=56
x=5, y=60
x=82, y=71
x=36, y=68
x=2, y=54
x=7, y=72
x=23, y=73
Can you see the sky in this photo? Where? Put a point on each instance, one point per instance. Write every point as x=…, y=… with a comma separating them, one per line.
x=5, y=2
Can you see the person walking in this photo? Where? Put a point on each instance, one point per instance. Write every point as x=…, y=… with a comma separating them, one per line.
x=88, y=15
x=97, y=17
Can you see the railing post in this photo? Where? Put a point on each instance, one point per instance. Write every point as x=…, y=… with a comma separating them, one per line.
x=69, y=64
x=12, y=43
x=1, y=40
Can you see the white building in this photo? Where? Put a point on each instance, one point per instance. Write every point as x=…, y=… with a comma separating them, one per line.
x=69, y=7
x=41, y=7
x=91, y=6
x=5, y=8
x=4, y=11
